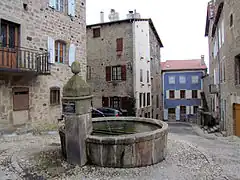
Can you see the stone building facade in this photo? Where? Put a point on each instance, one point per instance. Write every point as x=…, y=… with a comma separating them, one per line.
x=222, y=30
x=39, y=40
x=121, y=58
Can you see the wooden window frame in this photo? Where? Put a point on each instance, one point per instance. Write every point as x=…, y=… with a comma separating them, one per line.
x=193, y=80
x=20, y=94
x=116, y=73
x=171, y=94
x=119, y=44
x=182, y=94
x=194, y=94
x=182, y=79
x=60, y=5
x=55, y=96
x=171, y=82
x=60, y=51
x=116, y=100
x=96, y=32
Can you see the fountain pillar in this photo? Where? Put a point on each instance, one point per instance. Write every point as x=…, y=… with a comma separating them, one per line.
x=76, y=105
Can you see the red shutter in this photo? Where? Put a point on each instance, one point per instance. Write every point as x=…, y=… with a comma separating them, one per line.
x=105, y=101
x=124, y=73
x=108, y=73
x=119, y=44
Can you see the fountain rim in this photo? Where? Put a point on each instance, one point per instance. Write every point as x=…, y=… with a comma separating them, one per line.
x=129, y=138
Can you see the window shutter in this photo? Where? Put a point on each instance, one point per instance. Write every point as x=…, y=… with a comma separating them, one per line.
x=108, y=73
x=71, y=7
x=119, y=44
x=191, y=107
x=199, y=94
x=124, y=73
x=167, y=94
x=51, y=50
x=187, y=110
x=72, y=54
x=105, y=101
x=188, y=94
x=178, y=113
x=52, y=3
x=177, y=94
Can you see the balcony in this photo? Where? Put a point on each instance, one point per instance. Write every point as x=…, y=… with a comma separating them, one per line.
x=213, y=89
x=22, y=60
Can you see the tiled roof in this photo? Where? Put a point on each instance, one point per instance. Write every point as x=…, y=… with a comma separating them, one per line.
x=183, y=65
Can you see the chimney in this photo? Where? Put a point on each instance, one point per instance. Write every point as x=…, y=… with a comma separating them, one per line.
x=202, y=60
x=102, y=17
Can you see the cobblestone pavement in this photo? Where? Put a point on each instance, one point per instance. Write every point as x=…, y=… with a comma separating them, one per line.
x=190, y=157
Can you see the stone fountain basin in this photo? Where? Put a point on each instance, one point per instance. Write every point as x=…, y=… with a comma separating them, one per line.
x=145, y=142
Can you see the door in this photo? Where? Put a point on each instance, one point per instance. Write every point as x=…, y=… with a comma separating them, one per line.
x=237, y=119
x=9, y=44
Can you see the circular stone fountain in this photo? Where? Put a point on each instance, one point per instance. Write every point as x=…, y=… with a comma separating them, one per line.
x=125, y=142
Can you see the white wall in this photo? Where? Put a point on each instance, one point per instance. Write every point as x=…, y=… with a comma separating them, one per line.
x=141, y=44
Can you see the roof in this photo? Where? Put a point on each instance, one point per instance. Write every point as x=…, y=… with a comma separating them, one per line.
x=194, y=64
x=130, y=21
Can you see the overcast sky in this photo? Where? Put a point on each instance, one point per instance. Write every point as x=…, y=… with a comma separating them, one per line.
x=180, y=23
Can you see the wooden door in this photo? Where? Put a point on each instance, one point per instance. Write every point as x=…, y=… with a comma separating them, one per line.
x=237, y=119
x=9, y=44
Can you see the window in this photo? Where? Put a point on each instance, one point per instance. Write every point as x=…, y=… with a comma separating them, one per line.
x=182, y=79
x=237, y=69
x=195, y=109
x=96, y=32
x=156, y=116
x=194, y=94
x=194, y=79
x=231, y=20
x=148, y=77
x=171, y=79
x=182, y=94
x=157, y=101
x=60, y=51
x=116, y=73
x=119, y=44
x=88, y=72
x=141, y=75
x=148, y=99
x=140, y=100
x=144, y=99
x=182, y=109
x=171, y=94
x=59, y=5
x=115, y=102
x=20, y=99
x=105, y=101
x=54, y=96
x=171, y=111
x=10, y=33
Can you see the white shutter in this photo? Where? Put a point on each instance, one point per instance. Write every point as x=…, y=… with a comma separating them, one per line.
x=51, y=50
x=177, y=94
x=71, y=7
x=72, y=54
x=188, y=94
x=52, y=3
x=167, y=94
x=178, y=113
x=187, y=110
x=191, y=107
x=199, y=94
x=165, y=114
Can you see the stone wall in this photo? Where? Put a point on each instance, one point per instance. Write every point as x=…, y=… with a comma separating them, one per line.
x=228, y=51
x=37, y=23
x=102, y=52
x=155, y=76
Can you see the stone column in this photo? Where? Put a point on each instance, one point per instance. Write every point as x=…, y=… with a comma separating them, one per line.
x=76, y=104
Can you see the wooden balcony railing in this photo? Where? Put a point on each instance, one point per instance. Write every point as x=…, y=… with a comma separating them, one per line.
x=21, y=59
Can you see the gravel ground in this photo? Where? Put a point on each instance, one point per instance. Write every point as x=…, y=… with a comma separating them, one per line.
x=190, y=157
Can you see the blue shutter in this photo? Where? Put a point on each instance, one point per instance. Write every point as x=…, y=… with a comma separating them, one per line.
x=51, y=50
x=72, y=54
x=71, y=7
x=52, y=3
x=177, y=113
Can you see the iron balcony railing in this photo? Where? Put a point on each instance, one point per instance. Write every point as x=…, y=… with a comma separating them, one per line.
x=22, y=59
